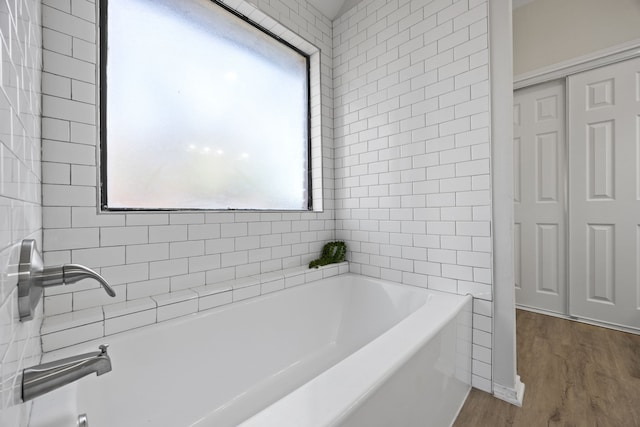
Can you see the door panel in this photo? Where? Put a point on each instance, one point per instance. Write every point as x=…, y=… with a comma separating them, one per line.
x=547, y=167
x=604, y=182
x=539, y=201
x=549, y=254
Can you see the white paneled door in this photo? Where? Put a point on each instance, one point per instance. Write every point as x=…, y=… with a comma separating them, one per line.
x=539, y=197
x=604, y=183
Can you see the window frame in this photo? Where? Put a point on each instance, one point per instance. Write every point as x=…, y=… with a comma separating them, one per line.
x=102, y=128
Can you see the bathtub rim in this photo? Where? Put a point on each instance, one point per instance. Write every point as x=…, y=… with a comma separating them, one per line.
x=287, y=411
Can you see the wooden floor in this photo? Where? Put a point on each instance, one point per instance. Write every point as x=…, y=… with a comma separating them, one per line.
x=574, y=374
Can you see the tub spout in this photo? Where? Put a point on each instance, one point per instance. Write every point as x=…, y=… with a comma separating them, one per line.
x=47, y=377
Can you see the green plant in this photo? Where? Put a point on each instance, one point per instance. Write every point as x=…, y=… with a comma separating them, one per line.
x=332, y=252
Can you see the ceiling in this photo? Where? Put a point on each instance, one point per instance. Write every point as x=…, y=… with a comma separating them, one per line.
x=334, y=8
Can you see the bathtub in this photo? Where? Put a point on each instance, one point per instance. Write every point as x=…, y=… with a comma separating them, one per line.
x=348, y=350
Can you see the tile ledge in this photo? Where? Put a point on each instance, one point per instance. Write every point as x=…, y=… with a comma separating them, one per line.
x=100, y=314
x=72, y=319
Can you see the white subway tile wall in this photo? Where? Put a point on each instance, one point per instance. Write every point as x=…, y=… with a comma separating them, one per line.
x=405, y=116
x=20, y=192
x=160, y=255
x=412, y=153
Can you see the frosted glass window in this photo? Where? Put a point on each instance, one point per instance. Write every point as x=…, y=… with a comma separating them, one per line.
x=201, y=110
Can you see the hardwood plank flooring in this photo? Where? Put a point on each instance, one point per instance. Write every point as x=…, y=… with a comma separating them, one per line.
x=575, y=375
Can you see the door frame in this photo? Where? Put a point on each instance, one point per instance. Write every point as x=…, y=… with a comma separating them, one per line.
x=562, y=70
x=506, y=383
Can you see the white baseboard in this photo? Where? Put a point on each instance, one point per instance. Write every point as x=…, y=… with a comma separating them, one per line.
x=513, y=395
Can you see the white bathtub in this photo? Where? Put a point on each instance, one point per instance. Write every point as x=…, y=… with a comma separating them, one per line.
x=348, y=350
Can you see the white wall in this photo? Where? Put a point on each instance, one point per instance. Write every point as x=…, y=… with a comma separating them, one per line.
x=158, y=258
x=546, y=32
x=412, y=161
x=506, y=382
x=20, y=210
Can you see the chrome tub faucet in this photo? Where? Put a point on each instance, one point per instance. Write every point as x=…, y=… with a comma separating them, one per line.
x=41, y=379
x=33, y=278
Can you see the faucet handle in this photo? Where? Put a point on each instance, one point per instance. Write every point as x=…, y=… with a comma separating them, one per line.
x=103, y=348
x=33, y=277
